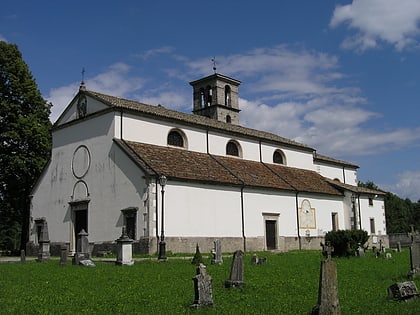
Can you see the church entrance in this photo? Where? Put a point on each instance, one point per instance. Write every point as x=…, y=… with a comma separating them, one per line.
x=80, y=222
x=270, y=234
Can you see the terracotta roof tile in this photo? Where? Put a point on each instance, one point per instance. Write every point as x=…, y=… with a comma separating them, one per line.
x=187, y=165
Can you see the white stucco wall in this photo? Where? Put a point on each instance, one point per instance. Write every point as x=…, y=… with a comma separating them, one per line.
x=345, y=175
x=376, y=212
x=144, y=130
x=201, y=210
x=113, y=183
x=294, y=157
x=269, y=203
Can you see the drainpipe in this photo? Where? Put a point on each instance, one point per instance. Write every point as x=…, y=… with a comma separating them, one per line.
x=260, y=150
x=360, y=215
x=207, y=141
x=156, y=212
x=243, y=217
x=297, y=220
x=121, y=124
x=344, y=175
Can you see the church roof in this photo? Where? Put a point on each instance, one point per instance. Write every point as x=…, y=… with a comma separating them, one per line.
x=326, y=159
x=184, y=165
x=167, y=114
x=355, y=189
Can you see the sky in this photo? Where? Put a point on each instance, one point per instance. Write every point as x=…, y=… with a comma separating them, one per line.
x=339, y=76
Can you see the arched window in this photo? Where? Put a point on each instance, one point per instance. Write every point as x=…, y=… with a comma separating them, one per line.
x=209, y=95
x=232, y=148
x=202, y=98
x=228, y=119
x=278, y=157
x=175, y=138
x=227, y=96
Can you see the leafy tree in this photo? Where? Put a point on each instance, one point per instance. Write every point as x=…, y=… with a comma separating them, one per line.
x=25, y=143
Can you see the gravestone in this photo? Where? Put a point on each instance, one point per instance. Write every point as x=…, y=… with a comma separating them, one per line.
x=399, y=247
x=237, y=271
x=44, y=242
x=255, y=260
x=82, y=256
x=63, y=256
x=414, y=259
x=124, y=249
x=402, y=291
x=360, y=251
x=217, y=253
x=328, y=302
x=202, y=287
x=22, y=256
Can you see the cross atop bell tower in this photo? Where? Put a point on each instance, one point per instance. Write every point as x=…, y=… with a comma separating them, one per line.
x=216, y=97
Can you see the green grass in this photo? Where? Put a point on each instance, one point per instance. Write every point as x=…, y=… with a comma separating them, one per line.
x=286, y=284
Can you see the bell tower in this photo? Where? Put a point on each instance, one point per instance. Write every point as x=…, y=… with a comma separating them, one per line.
x=216, y=97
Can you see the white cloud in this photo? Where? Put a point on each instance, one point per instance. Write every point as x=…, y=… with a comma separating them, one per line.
x=407, y=186
x=390, y=21
x=2, y=38
x=156, y=51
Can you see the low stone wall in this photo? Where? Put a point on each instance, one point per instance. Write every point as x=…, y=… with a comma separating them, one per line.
x=403, y=238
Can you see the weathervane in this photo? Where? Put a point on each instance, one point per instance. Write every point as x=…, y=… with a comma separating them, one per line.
x=214, y=64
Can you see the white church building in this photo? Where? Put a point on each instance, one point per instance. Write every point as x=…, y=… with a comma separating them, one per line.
x=191, y=179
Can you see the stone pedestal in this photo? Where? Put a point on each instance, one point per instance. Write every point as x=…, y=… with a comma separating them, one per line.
x=44, y=243
x=124, y=250
x=82, y=256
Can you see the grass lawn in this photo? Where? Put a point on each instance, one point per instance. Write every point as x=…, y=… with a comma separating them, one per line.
x=286, y=284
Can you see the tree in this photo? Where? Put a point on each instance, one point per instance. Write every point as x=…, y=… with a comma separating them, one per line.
x=25, y=143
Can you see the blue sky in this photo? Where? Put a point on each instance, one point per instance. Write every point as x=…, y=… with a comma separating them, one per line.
x=339, y=76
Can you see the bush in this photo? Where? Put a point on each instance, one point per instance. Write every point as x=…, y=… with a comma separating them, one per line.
x=346, y=242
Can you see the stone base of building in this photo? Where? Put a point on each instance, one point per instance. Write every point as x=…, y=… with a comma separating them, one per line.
x=187, y=245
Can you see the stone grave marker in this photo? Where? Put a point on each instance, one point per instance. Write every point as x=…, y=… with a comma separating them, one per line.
x=414, y=259
x=255, y=260
x=63, y=256
x=217, y=253
x=124, y=249
x=402, y=291
x=44, y=242
x=202, y=287
x=328, y=302
x=399, y=247
x=22, y=256
x=360, y=251
x=82, y=256
x=237, y=271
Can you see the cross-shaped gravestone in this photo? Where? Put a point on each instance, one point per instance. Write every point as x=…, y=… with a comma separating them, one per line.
x=328, y=302
x=327, y=250
x=412, y=234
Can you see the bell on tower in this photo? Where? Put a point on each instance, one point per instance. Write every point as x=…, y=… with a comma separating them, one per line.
x=216, y=97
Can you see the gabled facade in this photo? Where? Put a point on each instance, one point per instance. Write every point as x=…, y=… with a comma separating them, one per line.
x=252, y=189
